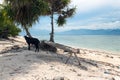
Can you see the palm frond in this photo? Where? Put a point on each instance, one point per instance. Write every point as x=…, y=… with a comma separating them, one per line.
x=61, y=21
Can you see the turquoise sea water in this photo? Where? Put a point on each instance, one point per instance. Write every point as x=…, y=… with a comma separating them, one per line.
x=110, y=43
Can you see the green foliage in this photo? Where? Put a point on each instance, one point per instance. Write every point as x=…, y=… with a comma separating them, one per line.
x=61, y=20
x=60, y=8
x=9, y=30
x=69, y=12
x=65, y=14
x=26, y=12
x=13, y=31
x=7, y=26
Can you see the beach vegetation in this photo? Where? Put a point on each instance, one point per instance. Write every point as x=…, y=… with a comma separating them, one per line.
x=7, y=26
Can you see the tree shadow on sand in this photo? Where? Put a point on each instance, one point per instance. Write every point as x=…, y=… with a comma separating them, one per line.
x=21, y=61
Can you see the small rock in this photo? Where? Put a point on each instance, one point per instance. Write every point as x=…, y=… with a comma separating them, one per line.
x=73, y=70
x=52, y=68
x=113, y=79
x=11, y=74
x=116, y=78
x=29, y=60
x=118, y=67
x=61, y=78
x=111, y=57
x=107, y=72
x=84, y=68
x=78, y=74
x=107, y=56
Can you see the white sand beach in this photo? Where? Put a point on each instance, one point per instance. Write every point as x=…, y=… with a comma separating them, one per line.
x=17, y=63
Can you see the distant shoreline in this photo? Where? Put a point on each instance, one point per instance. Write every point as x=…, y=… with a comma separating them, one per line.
x=20, y=38
x=80, y=32
x=106, y=43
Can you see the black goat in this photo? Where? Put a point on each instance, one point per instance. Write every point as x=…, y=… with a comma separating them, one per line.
x=33, y=41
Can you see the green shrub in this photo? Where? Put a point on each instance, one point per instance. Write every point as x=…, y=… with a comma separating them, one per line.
x=7, y=26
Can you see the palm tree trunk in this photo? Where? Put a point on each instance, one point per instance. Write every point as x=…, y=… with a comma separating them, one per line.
x=52, y=26
x=27, y=31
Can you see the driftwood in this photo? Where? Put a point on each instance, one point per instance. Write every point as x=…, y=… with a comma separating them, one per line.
x=68, y=49
x=46, y=47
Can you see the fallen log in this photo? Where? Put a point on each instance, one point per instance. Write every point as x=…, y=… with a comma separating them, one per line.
x=70, y=50
x=46, y=47
x=61, y=46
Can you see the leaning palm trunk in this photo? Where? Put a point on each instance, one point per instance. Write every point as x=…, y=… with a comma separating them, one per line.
x=52, y=26
x=60, y=8
x=27, y=31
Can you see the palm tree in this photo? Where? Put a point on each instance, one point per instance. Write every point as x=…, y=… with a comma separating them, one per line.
x=61, y=8
x=26, y=12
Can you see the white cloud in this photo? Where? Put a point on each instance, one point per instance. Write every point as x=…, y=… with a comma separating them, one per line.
x=1, y=1
x=94, y=26
x=87, y=5
x=108, y=20
x=104, y=20
x=108, y=25
x=110, y=16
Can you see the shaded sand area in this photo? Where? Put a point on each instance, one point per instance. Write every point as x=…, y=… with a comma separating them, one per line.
x=17, y=63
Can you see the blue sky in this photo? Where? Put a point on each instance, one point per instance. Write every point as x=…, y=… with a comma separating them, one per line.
x=90, y=14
